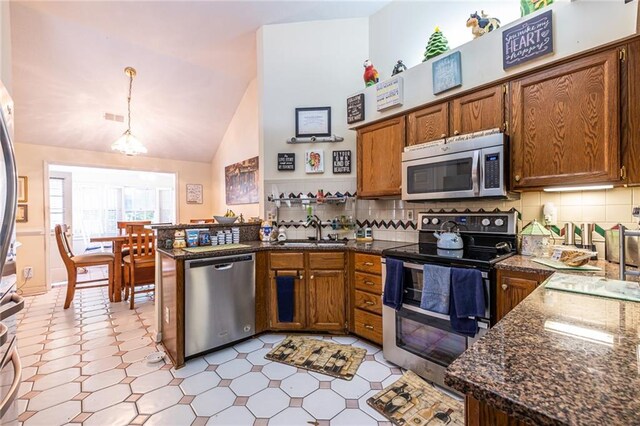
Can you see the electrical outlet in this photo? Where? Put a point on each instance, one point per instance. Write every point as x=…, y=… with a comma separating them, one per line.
x=27, y=272
x=409, y=214
x=166, y=315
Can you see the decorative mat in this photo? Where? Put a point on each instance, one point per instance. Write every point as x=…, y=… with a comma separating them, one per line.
x=412, y=401
x=333, y=359
x=204, y=249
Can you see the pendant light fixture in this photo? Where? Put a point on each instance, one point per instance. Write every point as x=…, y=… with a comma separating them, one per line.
x=127, y=143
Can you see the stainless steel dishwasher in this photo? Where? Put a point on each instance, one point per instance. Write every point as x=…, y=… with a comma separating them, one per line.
x=220, y=298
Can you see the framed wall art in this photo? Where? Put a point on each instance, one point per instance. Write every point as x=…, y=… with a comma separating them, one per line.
x=22, y=213
x=241, y=182
x=314, y=161
x=342, y=162
x=23, y=189
x=194, y=193
x=314, y=121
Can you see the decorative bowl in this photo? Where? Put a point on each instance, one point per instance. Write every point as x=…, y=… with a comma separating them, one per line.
x=223, y=220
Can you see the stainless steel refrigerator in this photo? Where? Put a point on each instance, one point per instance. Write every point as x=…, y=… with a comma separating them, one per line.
x=10, y=301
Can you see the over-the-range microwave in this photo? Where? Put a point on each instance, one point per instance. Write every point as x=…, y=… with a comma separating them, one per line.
x=470, y=168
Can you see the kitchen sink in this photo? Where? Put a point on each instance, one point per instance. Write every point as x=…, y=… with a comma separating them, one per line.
x=312, y=243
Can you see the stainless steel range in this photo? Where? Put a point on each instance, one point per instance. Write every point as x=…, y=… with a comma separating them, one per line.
x=424, y=341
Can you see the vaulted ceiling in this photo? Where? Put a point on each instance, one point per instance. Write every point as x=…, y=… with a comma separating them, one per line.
x=194, y=61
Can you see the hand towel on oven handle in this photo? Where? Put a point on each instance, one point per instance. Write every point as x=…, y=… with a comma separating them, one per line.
x=285, y=294
x=436, y=288
x=393, y=284
x=467, y=300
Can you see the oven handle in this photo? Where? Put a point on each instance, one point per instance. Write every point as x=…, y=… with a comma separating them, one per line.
x=419, y=267
x=481, y=323
x=17, y=379
x=13, y=308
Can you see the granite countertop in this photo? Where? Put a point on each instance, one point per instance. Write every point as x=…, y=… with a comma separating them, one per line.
x=374, y=247
x=201, y=225
x=521, y=263
x=558, y=358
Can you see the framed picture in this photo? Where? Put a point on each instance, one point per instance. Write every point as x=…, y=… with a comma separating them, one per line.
x=23, y=189
x=341, y=162
x=286, y=161
x=313, y=122
x=314, y=161
x=194, y=193
x=447, y=73
x=22, y=214
x=241, y=182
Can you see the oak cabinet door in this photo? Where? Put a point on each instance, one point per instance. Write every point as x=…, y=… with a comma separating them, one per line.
x=481, y=110
x=566, y=124
x=299, y=295
x=327, y=300
x=513, y=288
x=380, y=158
x=631, y=114
x=428, y=124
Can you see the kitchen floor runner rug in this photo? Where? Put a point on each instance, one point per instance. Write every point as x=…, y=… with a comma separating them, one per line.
x=412, y=401
x=332, y=359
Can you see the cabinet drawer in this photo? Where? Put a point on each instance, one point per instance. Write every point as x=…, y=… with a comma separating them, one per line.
x=368, y=326
x=287, y=261
x=322, y=260
x=369, y=302
x=368, y=282
x=368, y=263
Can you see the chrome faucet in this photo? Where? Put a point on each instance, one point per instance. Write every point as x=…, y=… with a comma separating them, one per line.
x=316, y=222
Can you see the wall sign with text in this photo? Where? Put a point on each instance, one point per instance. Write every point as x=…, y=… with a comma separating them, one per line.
x=355, y=108
x=286, y=162
x=527, y=41
x=389, y=93
x=447, y=73
x=341, y=162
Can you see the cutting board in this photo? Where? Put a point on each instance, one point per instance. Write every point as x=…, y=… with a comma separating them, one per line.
x=556, y=264
x=205, y=249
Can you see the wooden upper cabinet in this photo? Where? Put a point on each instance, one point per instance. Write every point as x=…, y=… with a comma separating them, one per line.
x=327, y=296
x=428, y=124
x=482, y=110
x=380, y=148
x=565, y=124
x=631, y=114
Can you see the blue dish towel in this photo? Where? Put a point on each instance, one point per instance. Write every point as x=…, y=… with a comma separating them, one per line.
x=467, y=300
x=436, y=287
x=393, y=285
x=284, y=289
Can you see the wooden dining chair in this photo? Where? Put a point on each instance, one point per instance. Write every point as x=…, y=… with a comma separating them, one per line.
x=140, y=263
x=72, y=263
x=122, y=224
x=201, y=220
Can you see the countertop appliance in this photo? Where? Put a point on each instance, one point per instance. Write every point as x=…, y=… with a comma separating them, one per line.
x=470, y=168
x=220, y=300
x=10, y=302
x=424, y=341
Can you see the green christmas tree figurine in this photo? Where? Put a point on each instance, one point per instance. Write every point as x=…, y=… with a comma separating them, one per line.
x=436, y=45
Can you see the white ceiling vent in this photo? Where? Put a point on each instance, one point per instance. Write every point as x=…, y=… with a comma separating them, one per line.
x=114, y=117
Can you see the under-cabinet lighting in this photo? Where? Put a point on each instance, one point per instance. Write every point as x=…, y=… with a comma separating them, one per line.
x=577, y=188
x=581, y=333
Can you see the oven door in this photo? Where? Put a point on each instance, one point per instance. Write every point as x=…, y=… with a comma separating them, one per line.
x=453, y=175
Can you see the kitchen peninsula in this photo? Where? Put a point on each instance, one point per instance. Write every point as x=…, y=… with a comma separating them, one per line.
x=557, y=358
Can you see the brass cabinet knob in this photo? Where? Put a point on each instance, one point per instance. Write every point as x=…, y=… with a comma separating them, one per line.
x=368, y=327
x=301, y=276
x=444, y=135
x=368, y=263
x=504, y=286
x=369, y=302
x=517, y=178
x=311, y=277
x=368, y=282
x=456, y=132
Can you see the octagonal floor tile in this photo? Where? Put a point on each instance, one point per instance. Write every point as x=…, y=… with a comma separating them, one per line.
x=299, y=385
x=159, y=399
x=233, y=416
x=366, y=408
x=59, y=353
x=151, y=381
x=116, y=415
x=103, y=380
x=249, y=384
x=268, y=402
x=176, y=415
x=59, y=364
x=100, y=365
x=141, y=368
x=371, y=349
x=55, y=379
x=198, y=383
x=249, y=345
x=99, y=353
x=353, y=417
x=272, y=338
x=221, y=356
x=106, y=398
x=57, y=415
x=277, y=371
x=233, y=369
x=373, y=371
x=351, y=389
x=213, y=401
x=291, y=416
x=54, y=396
x=257, y=357
x=192, y=367
x=324, y=404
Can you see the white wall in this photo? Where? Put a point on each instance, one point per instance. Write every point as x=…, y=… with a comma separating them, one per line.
x=5, y=45
x=401, y=29
x=577, y=26
x=240, y=142
x=304, y=65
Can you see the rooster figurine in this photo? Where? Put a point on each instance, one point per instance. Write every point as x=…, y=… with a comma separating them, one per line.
x=370, y=74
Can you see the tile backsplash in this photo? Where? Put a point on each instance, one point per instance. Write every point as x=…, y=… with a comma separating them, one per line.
x=606, y=208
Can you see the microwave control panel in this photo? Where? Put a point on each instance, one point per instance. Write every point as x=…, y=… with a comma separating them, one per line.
x=492, y=176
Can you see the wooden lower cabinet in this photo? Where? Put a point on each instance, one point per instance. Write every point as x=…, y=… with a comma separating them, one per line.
x=368, y=325
x=514, y=287
x=319, y=293
x=478, y=413
x=366, y=296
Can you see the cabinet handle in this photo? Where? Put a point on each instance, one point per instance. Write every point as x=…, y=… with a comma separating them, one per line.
x=368, y=263
x=517, y=178
x=444, y=135
x=505, y=287
x=456, y=133
x=368, y=302
x=368, y=327
x=301, y=277
x=369, y=282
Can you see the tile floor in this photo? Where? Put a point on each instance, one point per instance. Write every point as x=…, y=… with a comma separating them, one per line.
x=86, y=366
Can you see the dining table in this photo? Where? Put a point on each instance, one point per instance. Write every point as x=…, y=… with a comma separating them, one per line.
x=117, y=241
